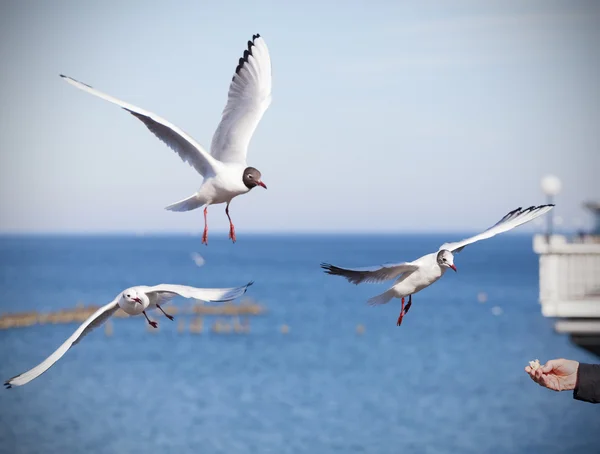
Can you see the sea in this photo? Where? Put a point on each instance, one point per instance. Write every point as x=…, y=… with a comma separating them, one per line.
x=319, y=372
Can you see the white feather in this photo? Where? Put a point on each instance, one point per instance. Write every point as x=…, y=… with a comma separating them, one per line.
x=513, y=219
x=168, y=291
x=248, y=99
x=183, y=144
x=95, y=320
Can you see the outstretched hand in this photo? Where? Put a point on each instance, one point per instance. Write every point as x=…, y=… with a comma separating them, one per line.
x=556, y=374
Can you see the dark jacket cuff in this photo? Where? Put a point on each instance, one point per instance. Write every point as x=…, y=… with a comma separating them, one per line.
x=587, y=388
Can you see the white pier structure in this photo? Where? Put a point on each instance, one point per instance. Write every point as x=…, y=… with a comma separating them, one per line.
x=570, y=283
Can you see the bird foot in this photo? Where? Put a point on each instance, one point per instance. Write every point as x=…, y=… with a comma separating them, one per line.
x=153, y=324
x=170, y=317
x=232, y=233
x=205, y=237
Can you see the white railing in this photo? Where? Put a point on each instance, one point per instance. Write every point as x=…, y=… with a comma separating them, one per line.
x=569, y=277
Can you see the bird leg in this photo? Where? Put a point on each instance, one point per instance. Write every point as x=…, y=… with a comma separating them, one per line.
x=231, y=227
x=404, y=310
x=152, y=324
x=408, y=305
x=399, y=322
x=205, y=234
x=170, y=317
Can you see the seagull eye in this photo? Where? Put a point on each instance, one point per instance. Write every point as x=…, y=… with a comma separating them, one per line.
x=250, y=177
x=128, y=296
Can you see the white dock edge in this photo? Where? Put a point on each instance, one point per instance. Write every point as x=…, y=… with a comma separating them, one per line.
x=570, y=285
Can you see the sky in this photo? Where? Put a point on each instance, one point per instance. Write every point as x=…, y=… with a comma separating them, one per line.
x=387, y=116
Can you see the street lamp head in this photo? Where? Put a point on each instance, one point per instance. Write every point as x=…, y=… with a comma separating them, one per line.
x=551, y=185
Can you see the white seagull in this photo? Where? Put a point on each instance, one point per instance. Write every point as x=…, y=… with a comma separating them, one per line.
x=226, y=174
x=133, y=301
x=412, y=277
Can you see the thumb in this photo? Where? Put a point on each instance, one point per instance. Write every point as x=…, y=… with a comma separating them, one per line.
x=550, y=365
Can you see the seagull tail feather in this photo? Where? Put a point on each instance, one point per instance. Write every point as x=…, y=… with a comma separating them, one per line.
x=191, y=203
x=384, y=298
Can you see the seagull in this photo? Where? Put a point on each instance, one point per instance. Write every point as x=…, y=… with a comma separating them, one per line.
x=412, y=277
x=226, y=174
x=133, y=301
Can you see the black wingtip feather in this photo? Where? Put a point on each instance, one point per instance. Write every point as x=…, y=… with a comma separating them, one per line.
x=82, y=83
x=519, y=211
x=8, y=385
x=329, y=269
x=247, y=53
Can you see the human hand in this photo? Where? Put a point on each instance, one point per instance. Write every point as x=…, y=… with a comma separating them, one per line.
x=556, y=374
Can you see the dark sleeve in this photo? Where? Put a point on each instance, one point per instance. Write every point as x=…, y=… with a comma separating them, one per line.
x=588, y=383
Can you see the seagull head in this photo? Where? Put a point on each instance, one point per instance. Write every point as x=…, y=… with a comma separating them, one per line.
x=252, y=178
x=445, y=259
x=132, y=297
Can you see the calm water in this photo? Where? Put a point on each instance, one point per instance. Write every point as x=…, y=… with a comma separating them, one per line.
x=450, y=380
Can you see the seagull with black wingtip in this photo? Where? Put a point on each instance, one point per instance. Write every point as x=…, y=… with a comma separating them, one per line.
x=412, y=277
x=225, y=171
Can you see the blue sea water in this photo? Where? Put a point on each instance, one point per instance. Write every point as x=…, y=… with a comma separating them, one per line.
x=449, y=380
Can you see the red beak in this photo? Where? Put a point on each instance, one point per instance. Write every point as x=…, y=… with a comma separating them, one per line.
x=137, y=300
x=260, y=183
x=454, y=268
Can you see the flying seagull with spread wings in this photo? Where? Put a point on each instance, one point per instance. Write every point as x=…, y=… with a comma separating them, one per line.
x=133, y=301
x=225, y=171
x=412, y=277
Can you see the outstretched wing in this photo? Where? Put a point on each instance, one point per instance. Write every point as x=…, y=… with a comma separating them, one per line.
x=370, y=274
x=95, y=320
x=183, y=144
x=165, y=292
x=513, y=219
x=248, y=99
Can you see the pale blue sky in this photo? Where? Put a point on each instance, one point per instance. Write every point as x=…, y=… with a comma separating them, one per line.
x=386, y=116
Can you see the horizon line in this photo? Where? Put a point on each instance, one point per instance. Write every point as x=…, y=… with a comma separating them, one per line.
x=127, y=233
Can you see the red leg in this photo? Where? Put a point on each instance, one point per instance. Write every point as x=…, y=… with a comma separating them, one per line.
x=205, y=234
x=231, y=227
x=401, y=316
x=152, y=324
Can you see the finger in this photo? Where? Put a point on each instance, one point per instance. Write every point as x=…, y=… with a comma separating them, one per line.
x=528, y=369
x=538, y=373
x=546, y=383
x=534, y=378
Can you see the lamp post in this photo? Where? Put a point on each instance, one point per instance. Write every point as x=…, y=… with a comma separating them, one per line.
x=551, y=186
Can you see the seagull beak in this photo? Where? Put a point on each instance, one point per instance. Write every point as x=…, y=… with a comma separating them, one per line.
x=454, y=268
x=137, y=300
x=260, y=183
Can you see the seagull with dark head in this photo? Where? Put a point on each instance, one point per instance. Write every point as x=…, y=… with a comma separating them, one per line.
x=412, y=277
x=226, y=174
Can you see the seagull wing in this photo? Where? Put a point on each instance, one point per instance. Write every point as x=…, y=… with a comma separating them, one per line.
x=183, y=144
x=248, y=99
x=165, y=292
x=95, y=320
x=371, y=274
x=513, y=219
